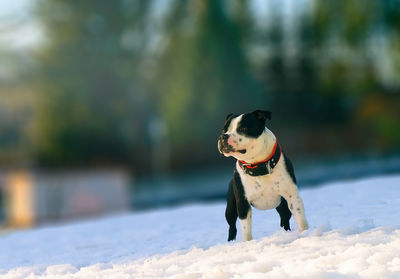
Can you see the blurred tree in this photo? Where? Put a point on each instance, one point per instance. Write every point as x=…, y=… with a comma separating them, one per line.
x=115, y=84
x=290, y=71
x=204, y=73
x=16, y=96
x=357, y=63
x=91, y=102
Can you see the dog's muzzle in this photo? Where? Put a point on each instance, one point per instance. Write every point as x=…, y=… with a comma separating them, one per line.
x=223, y=145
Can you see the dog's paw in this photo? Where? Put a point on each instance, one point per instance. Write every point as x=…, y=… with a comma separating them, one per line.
x=232, y=233
x=285, y=225
x=303, y=226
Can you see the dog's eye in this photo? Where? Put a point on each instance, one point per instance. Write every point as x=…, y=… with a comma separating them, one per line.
x=242, y=129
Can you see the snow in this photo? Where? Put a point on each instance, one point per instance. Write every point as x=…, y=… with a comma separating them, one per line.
x=354, y=233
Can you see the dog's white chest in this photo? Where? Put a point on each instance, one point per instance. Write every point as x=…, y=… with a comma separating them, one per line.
x=263, y=192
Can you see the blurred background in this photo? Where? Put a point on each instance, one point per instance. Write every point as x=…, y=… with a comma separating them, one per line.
x=132, y=95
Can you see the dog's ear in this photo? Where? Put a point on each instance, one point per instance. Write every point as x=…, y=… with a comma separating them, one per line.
x=228, y=120
x=263, y=114
x=229, y=115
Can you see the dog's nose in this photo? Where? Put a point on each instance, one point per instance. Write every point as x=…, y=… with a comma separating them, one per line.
x=224, y=137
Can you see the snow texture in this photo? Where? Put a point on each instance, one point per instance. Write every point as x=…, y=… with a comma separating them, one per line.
x=354, y=233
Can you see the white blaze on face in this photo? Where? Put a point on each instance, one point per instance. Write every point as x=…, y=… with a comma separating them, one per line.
x=233, y=125
x=235, y=140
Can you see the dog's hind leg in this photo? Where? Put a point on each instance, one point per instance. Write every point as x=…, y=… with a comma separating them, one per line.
x=284, y=213
x=295, y=205
x=231, y=213
x=291, y=194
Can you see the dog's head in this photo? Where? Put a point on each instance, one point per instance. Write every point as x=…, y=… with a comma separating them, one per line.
x=243, y=135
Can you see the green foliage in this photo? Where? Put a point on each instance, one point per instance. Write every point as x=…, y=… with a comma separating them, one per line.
x=86, y=81
x=354, y=40
x=203, y=73
x=109, y=70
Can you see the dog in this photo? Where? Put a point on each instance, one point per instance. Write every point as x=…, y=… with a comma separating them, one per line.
x=263, y=177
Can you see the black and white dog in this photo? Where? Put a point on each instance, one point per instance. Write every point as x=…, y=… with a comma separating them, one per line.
x=264, y=176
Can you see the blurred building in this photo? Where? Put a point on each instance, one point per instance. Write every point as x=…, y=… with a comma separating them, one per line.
x=37, y=197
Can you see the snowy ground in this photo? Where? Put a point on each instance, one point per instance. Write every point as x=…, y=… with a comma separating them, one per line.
x=354, y=233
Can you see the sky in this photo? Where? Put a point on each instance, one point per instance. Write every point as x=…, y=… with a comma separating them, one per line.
x=18, y=29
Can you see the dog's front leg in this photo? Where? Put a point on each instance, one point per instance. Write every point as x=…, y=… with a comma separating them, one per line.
x=245, y=222
x=242, y=206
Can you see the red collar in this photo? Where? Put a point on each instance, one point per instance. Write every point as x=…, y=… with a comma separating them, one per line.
x=254, y=165
x=263, y=167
